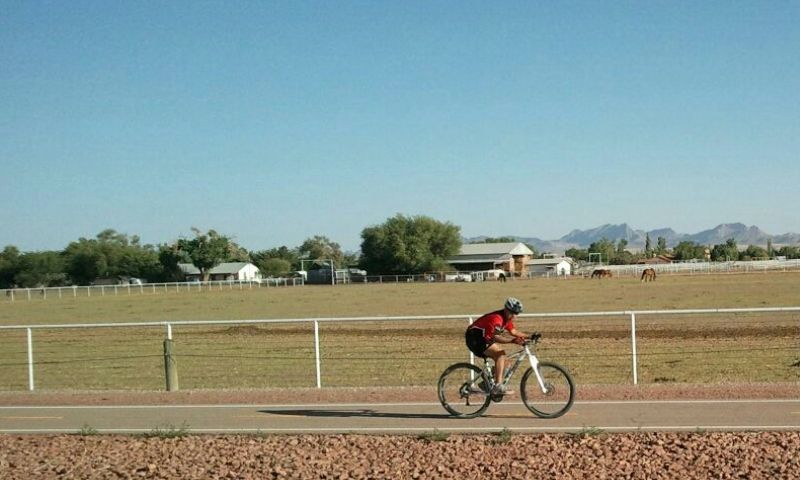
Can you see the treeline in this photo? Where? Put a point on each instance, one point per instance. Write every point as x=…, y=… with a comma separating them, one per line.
x=616, y=253
x=402, y=244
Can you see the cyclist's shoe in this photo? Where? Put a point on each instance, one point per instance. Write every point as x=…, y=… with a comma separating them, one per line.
x=502, y=390
x=479, y=389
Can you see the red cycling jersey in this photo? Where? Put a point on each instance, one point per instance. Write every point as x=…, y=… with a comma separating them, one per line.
x=491, y=323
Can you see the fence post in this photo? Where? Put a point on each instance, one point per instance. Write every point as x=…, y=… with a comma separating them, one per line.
x=633, y=348
x=316, y=352
x=30, y=359
x=170, y=365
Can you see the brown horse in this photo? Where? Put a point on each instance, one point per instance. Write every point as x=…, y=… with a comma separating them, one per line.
x=601, y=273
x=649, y=275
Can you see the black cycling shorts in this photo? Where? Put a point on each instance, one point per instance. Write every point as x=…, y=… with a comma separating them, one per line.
x=475, y=341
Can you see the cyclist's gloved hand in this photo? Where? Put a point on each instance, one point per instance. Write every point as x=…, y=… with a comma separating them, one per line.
x=535, y=337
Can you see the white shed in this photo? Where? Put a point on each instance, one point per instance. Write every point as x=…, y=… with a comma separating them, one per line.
x=242, y=271
x=561, y=266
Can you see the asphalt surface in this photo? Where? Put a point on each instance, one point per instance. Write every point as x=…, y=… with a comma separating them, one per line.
x=404, y=418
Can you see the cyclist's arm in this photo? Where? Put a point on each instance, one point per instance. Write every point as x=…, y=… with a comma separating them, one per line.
x=510, y=336
x=518, y=337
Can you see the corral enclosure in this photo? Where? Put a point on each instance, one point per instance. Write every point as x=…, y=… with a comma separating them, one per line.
x=741, y=347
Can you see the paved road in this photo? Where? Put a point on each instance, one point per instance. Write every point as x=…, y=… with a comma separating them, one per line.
x=612, y=416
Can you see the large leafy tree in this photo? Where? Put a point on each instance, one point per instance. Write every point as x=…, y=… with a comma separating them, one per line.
x=578, y=254
x=661, y=246
x=408, y=245
x=754, y=252
x=9, y=266
x=605, y=248
x=205, y=250
x=110, y=254
x=45, y=269
x=789, y=251
x=320, y=247
x=275, y=261
x=688, y=250
x=726, y=251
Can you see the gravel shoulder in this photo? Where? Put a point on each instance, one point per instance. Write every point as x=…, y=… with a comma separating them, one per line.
x=589, y=455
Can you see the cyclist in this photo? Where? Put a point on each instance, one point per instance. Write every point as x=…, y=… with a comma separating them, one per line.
x=485, y=333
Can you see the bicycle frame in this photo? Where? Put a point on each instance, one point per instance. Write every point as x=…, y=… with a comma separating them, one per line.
x=518, y=357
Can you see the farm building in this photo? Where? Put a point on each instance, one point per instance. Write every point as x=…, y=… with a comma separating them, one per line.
x=657, y=260
x=511, y=257
x=241, y=271
x=552, y=266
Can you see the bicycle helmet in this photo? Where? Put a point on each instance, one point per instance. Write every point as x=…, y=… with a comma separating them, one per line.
x=513, y=305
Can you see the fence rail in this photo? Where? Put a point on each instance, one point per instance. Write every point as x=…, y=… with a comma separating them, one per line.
x=631, y=315
x=695, y=268
x=13, y=294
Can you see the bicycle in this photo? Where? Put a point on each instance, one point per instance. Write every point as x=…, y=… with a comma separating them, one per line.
x=546, y=388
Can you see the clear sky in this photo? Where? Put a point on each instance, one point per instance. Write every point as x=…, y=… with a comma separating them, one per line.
x=272, y=122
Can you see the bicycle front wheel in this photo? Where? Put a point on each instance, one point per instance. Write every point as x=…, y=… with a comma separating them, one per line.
x=558, y=393
x=461, y=391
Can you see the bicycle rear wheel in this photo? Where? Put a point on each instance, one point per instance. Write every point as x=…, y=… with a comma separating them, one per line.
x=461, y=392
x=559, y=391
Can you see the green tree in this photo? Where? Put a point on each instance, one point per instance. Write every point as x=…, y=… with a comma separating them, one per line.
x=661, y=246
x=283, y=252
x=274, y=267
x=754, y=252
x=687, y=250
x=725, y=252
x=577, y=254
x=604, y=247
x=41, y=269
x=9, y=266
x=85, y=261
x=205, y=250
x=409, y=245
x=170, y=256
x=648, y=247
x=110, y=254
x=789, y=251
x=320, y=247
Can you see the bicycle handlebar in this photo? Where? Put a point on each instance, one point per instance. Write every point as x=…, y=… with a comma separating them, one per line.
x=533, y=339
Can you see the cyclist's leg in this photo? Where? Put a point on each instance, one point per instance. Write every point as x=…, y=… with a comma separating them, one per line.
x=496, y=353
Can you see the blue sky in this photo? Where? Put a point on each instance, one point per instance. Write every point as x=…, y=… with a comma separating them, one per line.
x=272, y=122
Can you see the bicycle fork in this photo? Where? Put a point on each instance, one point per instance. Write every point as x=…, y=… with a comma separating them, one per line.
x=535, y=366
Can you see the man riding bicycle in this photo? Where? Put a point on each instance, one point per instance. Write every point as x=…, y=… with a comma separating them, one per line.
x=485, y=333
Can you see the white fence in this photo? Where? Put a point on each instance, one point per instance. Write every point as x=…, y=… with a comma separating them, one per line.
x=168, y=327
x=695, y=268
x=15, y=294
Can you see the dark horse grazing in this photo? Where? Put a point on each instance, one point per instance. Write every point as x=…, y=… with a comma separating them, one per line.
x=648, y=275
x=601, y=273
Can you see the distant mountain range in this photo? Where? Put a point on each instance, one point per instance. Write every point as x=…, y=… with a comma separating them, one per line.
x=740, y=232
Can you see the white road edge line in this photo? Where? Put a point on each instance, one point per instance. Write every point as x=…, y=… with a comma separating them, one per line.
x=398, y=404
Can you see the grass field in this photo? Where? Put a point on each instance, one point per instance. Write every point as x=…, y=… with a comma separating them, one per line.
x=688, y=348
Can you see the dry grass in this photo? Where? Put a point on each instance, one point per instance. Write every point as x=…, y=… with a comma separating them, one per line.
x=708, y=348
